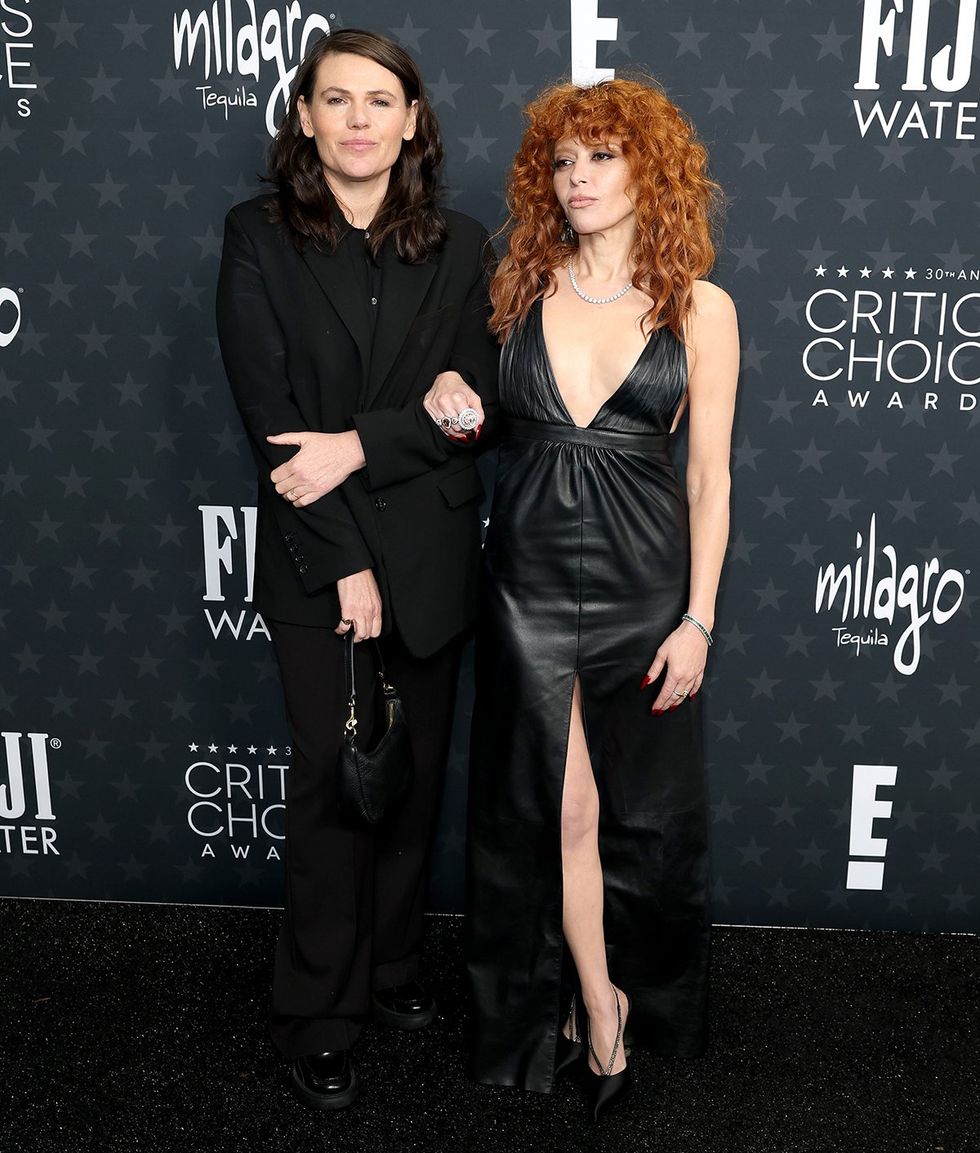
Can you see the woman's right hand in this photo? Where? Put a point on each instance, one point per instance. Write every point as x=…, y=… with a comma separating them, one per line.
x=447, y=398
x=360, y=603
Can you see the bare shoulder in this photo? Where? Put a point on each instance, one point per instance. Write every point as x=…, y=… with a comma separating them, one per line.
x=711, y=304
x=711, y=333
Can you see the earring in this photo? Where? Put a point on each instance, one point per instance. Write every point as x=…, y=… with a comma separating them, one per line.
x=567, y=235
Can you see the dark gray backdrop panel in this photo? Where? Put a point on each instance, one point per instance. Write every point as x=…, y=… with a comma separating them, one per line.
x=130, y=650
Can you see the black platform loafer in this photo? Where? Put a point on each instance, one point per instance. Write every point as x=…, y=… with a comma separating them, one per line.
x=325, y=1080
x=406, y=1006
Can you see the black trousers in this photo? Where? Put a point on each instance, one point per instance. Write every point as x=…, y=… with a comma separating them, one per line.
x=355, y=894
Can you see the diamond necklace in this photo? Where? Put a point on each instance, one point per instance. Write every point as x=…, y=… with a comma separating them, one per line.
x=595, y=299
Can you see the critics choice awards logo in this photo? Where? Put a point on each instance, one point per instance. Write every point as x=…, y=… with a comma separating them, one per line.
x=881, y=601
x=898, y=346
x=236, y=799
x=228, y=537
x=17, y=46
x=25, y=795
x=939, y=56
x=233, y=39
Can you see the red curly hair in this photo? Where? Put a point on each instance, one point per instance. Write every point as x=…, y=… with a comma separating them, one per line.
x=675, y=201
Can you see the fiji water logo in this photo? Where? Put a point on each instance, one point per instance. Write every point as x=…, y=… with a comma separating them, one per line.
x=872, y=588
x=933, y=58
x=229, y=570
x=936, y=43
x=230, y=38
x=25, y=793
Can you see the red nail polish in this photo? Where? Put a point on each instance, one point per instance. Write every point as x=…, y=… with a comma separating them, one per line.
x=646, y=681
x=656, y=712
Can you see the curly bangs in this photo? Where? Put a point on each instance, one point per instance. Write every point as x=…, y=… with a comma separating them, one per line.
x=676, y=202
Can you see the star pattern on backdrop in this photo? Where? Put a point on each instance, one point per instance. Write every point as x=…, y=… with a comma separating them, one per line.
x=118, y=425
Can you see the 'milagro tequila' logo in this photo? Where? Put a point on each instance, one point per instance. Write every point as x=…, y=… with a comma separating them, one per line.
x=237, y=42
x=871, y=589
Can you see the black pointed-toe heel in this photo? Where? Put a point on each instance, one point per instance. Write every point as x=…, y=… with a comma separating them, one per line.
x=607, y=1087
x=569, y=1050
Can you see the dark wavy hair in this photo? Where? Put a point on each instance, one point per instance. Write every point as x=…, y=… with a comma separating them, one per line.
x=409, y=212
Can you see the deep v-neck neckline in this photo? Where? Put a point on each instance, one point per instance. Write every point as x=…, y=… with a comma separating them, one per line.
x=553, y=380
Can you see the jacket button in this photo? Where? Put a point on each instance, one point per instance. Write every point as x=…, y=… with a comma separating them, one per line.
x=303, y=568
x=380, y=504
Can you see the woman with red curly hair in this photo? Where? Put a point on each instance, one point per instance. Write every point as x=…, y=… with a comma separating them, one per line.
x=588, y=867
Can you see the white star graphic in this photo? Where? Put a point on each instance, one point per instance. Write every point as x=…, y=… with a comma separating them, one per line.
x=842, y=272
x=888, y=273
x=820, y=270
x=865, y=273
x=910, y=274
x=192, y=748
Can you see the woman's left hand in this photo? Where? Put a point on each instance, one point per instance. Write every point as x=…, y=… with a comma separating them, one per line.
x=683, y=655
x=324, y=461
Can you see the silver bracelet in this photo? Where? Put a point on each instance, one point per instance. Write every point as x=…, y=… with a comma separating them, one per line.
x=699, y=626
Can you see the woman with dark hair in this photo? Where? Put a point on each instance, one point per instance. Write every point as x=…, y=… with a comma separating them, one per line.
x=343, y=297
x=587, y=867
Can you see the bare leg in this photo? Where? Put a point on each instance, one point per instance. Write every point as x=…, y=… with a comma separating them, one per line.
x=582, y=888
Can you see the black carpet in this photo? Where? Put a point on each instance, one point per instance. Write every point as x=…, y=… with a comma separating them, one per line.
x=141, y=1028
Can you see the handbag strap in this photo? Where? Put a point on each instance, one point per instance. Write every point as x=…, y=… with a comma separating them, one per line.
x=350, y=727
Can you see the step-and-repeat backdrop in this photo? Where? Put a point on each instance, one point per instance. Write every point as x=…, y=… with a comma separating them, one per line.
x=144, y=752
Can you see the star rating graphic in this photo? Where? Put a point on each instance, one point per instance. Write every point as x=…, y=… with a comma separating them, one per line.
x=865, y=272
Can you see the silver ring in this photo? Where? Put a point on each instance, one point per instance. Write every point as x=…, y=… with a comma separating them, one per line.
x=446, y=422
x=469, y=418
x=675, y=693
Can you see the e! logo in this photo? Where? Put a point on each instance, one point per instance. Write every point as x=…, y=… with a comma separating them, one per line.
x=8, y=329
x=865, y=810
x=588, y=28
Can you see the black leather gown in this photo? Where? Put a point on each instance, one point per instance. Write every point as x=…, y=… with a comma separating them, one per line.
x=586, y=569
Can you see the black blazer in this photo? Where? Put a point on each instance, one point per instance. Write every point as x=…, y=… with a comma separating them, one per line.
x=296, y=347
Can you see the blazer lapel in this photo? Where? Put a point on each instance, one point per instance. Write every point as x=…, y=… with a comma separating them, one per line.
x=403, y=288
x=335, y=276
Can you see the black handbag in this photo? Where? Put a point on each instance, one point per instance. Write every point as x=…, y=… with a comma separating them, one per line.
x=371, y=781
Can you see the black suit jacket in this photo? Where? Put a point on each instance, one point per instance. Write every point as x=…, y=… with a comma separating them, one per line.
x=298, y=353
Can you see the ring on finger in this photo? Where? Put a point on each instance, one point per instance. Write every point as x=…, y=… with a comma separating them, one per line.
x=468, y=419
